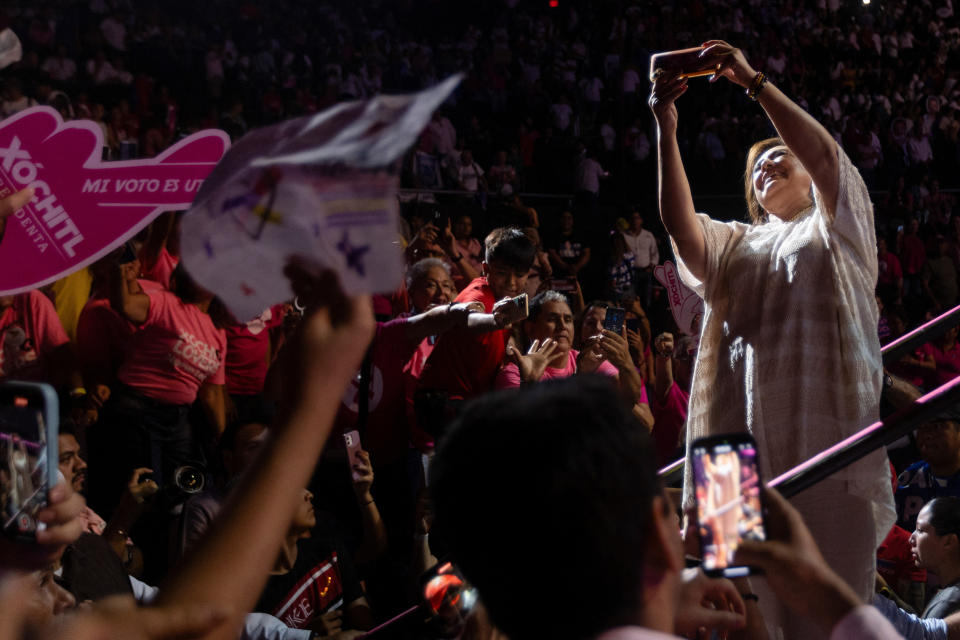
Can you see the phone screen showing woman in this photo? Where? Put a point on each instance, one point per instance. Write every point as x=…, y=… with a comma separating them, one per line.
x=729, y=506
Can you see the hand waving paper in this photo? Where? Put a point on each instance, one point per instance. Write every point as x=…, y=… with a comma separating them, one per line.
x=320, y=187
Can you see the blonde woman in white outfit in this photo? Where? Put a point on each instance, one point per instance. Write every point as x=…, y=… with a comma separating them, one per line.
x=789, y=347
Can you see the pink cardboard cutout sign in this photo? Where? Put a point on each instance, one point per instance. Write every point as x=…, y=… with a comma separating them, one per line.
x=84, y=208
x=684, y=303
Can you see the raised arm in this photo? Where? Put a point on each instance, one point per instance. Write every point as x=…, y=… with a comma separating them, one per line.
x=663, y=347
x=329, y=347
x=162, y=235
x=676, y=201
x=440, y=318
x=131, y=304
x=806, y=138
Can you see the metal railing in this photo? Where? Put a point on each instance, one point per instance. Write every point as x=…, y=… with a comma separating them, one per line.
x=876, y=435
x=881, y=433
x=909, y=342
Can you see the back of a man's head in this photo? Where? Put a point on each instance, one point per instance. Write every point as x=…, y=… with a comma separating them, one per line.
x=544, y=497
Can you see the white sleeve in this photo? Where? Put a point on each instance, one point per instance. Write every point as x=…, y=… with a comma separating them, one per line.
x=263, y=626
x=718, y=238
x=142, y=592
x=852, y=219
x=908, y=625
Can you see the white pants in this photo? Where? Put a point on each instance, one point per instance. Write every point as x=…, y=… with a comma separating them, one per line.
x=844, y=529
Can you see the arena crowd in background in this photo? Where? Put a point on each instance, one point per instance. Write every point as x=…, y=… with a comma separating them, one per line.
x=538, y=176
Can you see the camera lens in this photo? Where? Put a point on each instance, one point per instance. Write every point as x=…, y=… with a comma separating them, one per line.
x=188, y=479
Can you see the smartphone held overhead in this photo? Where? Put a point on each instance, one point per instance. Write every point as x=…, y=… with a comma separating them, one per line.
x=685, y=63
x=730, y=510
x=28, y=455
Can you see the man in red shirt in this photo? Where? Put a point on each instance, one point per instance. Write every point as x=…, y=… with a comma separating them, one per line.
x=465, y=360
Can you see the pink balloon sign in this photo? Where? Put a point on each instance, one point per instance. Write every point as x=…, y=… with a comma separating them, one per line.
x=84, y=208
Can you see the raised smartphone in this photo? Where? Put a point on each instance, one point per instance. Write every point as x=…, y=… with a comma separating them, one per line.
x=522, y=303
x=613, y=321
x=28, y=455
x=686, y=62
x=352, y=440
x=729, y=503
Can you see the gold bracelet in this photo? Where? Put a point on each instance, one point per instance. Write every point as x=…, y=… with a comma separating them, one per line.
x=759, y=82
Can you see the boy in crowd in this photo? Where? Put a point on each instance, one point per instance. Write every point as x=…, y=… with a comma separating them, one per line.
x=465, y=360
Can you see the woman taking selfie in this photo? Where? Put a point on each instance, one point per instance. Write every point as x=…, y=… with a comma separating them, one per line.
x=788, y=349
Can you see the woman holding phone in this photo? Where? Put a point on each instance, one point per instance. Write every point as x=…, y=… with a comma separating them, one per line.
x=788, y=349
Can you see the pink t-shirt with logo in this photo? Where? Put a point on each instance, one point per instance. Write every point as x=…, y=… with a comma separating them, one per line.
x=103, y=334
x=174, y=352
x=509, y=375
x=30, y=330
x=248, y=352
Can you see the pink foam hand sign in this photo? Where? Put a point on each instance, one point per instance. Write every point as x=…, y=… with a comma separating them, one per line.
x=684, y=303
x=84, y=208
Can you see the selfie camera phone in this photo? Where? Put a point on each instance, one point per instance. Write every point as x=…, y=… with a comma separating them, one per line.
x=633, y=324
x=686, y=63
x=614, y=319
x=352, y=440
x=28, y=455
x=729, y=503
x=522, y=303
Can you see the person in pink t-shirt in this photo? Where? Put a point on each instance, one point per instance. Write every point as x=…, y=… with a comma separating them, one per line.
x=176, y=356
x=250, y=350
x=598, y=345
x=429, y=284
x=102, y=333
x=33, y=344
x=945, y=356
x=548, y=332
x=669, y=404
x=160, y=254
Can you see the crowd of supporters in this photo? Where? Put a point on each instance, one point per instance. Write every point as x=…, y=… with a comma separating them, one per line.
x=536, y=178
